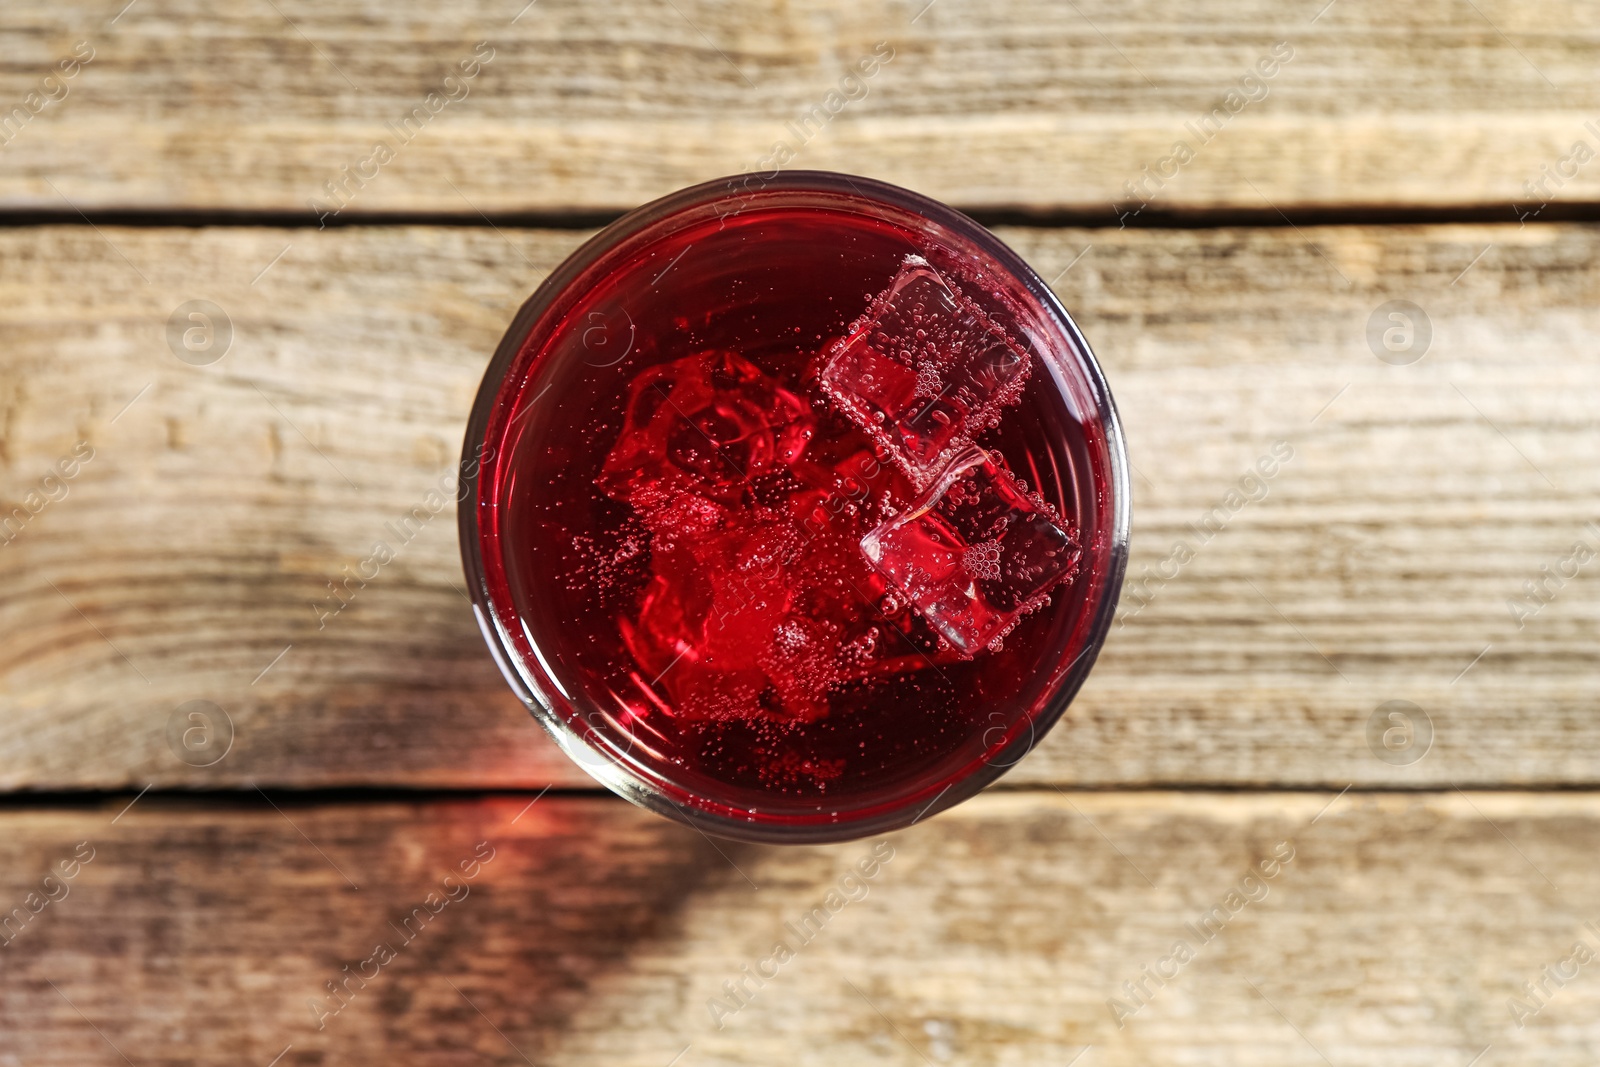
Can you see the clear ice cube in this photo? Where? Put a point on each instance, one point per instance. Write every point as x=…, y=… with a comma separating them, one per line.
x=708, y=424
x=924, y=371
x=975, y=553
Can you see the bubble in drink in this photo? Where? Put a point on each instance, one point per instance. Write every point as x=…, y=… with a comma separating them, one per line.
x=975, y=554
x=924, y=371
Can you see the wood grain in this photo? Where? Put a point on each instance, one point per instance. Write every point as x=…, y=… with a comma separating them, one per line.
x=190, y=552
x=1032, y=105
x=997, y=933
x=1429, y=534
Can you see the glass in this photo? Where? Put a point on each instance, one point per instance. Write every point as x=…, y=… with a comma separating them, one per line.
x=795, y=508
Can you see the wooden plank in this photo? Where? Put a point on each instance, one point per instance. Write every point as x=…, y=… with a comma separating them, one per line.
x=190, y=552
x=1399, y=931
x=1035, y=105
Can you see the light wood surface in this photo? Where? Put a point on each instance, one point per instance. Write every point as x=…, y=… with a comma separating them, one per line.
x=1035, y=105
x=1245, y=704
x=191, y=550
x=994, y=934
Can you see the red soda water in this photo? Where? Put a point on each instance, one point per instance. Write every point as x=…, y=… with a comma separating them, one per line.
x=751, y=557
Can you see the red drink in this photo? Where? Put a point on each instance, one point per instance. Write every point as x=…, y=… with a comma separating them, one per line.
x=802, y=508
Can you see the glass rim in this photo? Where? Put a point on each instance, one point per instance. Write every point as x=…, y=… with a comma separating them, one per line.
x=871, y=819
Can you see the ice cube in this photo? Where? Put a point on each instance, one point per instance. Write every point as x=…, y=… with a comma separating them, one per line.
x=975, y=553
x=751, y=619
x=708, y=424
x=924, y=371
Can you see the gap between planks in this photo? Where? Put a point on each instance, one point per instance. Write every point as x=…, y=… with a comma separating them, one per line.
x=247, y=796
x=987, y=215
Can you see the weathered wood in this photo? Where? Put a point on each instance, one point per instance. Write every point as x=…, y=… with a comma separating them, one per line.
x=194, y=547
x=1036, y=105
x=1398, y=933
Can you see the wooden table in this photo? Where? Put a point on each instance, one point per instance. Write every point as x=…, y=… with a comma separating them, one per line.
x=1434, y=539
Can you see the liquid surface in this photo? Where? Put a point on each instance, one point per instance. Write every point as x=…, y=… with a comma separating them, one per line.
x=682, y=505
